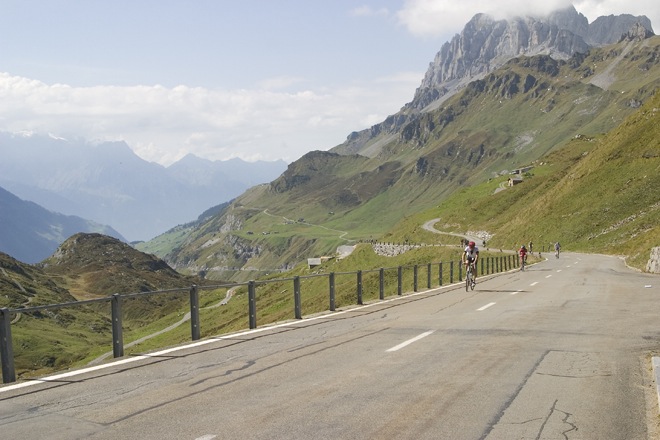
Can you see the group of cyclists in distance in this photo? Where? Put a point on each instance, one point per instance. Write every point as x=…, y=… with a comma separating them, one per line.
x=471, y=256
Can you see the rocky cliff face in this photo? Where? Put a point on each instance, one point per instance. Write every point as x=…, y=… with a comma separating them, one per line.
x=486, y=44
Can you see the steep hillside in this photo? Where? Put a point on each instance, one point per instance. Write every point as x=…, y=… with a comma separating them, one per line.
x=485, y=45
x=31, y=233
x=597, y=194
x=510, y=118
x=86, y=266
x=24, y=285
x=97, y=265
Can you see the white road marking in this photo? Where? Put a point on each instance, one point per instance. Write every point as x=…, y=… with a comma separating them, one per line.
x=548, y=276
x=534, y=283
x=485, y=307
x=558, y=270
x=206, y=437
x=410, y=341
x=517, y=291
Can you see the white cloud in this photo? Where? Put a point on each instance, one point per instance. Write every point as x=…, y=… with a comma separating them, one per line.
x=447, y=17
x=163, y=124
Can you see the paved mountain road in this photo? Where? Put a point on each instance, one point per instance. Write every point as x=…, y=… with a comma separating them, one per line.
x=560, y=351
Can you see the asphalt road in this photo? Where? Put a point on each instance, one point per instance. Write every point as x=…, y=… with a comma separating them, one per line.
x=560, y=351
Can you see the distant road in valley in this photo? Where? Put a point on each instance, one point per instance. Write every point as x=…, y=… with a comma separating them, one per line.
x=560, y=351
x=429, y=226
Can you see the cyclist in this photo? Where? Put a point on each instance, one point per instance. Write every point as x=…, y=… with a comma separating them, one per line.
x=522, y=252
x=470, y=256
x=557, y=248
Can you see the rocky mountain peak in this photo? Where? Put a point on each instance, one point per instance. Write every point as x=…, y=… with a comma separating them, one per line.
x=485, y=44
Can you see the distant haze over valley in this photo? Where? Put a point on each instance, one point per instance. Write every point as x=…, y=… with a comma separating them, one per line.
x=109, y=184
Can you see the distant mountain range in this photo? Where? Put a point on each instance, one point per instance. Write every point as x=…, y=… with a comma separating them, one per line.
x=109, y=184
x=500, y=96
x=31, y=233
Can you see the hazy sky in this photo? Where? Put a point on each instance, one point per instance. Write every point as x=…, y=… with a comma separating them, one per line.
x=255, y=79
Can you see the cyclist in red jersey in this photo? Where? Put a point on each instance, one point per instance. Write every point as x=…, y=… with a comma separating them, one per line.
x=522, y=253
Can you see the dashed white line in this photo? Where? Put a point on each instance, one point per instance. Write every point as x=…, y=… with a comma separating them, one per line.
x=410, y=341
x=206, y=437
x=481, y=309
x=558, y=270
x=548, y=276
x=517, y=291
x=534, y=283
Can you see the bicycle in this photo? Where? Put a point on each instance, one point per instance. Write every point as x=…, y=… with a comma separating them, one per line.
x=469, y=278
x=523, y=261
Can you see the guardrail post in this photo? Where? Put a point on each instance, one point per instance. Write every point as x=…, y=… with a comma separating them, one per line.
x=252, y=304
x=428, y=276
x=482, y=267
x=440, y=272
x=359, y=287
x=331, y=280
x=381, y=283
x=117, y=330
x=6, y=348
x=399, y=276
x=460, y=272
x=451, y=272
x=194, y=312
x=415, y=278
x=296, y=297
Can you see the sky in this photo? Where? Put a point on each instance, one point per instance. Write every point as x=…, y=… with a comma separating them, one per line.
x=223, y=79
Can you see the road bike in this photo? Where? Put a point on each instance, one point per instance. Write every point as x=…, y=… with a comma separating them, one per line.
x=469, y=277
x=523, y=261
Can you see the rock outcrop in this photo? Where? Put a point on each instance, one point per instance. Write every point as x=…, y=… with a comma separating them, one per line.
x=653, y=266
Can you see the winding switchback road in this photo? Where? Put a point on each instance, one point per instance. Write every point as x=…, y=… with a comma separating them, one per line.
x=560, y=351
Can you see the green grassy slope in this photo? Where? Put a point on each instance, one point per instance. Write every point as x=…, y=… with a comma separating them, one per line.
x=513, y=117
x=594, y=194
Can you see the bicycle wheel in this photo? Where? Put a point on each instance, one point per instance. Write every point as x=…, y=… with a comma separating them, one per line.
x=468, y=279
x=472, y=282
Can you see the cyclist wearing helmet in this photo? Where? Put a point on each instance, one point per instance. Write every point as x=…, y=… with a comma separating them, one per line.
x=470, y=256
x=522, y=252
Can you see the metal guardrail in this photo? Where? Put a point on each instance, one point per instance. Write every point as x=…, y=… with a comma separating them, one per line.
x=489, y=265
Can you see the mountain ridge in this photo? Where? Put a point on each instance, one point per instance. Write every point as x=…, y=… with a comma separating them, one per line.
x=30, y=233
x=484, y=45
x=509, y=118
x=108, y=183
